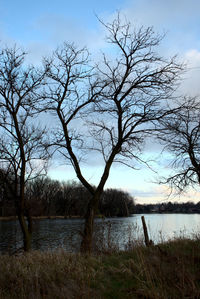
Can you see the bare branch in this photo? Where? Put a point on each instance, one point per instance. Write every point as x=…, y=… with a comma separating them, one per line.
x=181, y=137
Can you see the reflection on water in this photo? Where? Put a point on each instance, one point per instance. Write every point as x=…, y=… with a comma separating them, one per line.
x=50, y=234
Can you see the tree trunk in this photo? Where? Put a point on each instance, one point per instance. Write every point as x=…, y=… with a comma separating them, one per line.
x=26, y=231
x=87, y=237
x=26, y=226
x=30, y=222
x=86, y=243
x=126, y=211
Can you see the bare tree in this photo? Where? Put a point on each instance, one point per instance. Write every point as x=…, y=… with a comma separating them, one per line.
x=21, y=153
x=111, y=108
x=116, y=202
x=41, y=194
x=181, y=136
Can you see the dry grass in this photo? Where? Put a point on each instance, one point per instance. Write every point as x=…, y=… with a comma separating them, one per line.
x=45, y=275
x=170, y=270
x=8, y=218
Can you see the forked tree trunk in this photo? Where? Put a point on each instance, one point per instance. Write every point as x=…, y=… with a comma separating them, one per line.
x=86, y=244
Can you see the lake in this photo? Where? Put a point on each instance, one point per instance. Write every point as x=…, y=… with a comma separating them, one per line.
x=50, y=234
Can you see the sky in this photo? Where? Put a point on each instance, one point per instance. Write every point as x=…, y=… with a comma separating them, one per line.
x=40, y=26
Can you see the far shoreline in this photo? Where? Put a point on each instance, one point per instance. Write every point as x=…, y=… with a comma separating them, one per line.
x=12, y=218
x=9, y=218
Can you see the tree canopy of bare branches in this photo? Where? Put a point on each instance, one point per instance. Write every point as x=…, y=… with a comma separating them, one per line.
x=22, y=155
x=109, y=107
x=181, y=137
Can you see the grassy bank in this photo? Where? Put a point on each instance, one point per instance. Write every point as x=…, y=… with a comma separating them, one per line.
x=170, y=270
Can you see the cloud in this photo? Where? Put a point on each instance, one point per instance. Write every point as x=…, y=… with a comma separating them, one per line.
x=179, y=19
x=6, y=41
x=61, y=172
x=36, y=51
x=191, y=84
x=161, y=193
x=193, y=57
x=56, y=29
x=156, y=12
x=49, y=31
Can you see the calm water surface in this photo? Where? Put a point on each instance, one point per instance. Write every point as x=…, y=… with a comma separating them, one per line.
x=50, y=234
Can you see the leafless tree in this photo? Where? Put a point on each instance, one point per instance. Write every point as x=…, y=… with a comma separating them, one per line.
x=42, y=194
x=181, y=136
x=21, y=153
x=116, y=202
x=111, y=108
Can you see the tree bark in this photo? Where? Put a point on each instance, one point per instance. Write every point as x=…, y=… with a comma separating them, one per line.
x=87, y=237
x=26, y=226
x=26, y=232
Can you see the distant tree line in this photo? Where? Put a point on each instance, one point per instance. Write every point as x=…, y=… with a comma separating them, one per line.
x=48, y=197
x=168, y=207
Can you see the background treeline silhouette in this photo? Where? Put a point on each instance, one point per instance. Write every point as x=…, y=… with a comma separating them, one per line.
x=48, y=197
x=168, y=207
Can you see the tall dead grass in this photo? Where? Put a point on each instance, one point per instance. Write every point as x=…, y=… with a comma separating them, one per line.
x=168, y=270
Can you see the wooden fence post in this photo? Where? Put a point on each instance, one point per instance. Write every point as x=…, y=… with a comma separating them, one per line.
x=146, y=236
